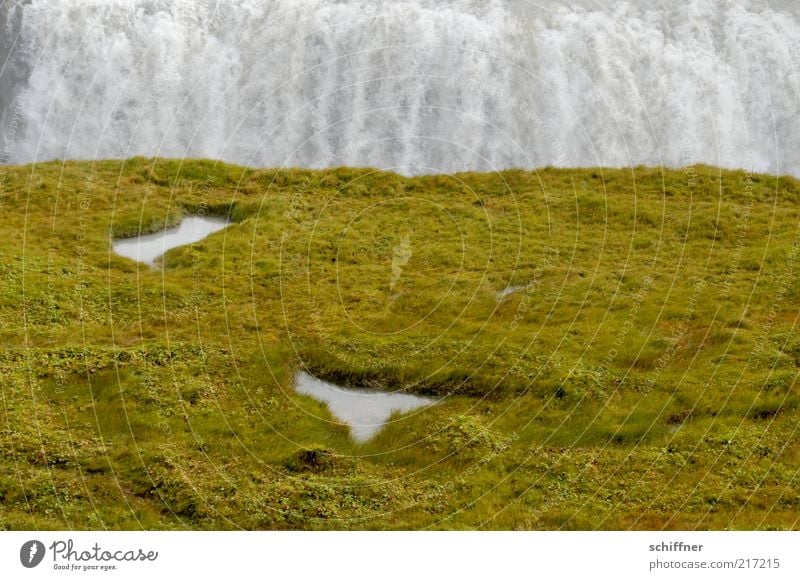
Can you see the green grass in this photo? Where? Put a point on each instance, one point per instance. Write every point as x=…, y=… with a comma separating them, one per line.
x=645, y=377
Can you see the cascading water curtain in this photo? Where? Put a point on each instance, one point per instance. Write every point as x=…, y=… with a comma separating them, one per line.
x=418, y=86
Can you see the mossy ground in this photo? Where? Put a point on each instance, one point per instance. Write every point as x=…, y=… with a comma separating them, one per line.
x=644, y=376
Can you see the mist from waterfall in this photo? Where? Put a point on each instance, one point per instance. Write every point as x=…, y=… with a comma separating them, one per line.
x=418, y=86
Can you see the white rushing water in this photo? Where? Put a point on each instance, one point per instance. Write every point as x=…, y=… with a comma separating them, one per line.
x=414, y=85
x=148, y=248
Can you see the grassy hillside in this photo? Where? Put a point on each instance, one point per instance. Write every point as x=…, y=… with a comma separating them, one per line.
x=643, y=374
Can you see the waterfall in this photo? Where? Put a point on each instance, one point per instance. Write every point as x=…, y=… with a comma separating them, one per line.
x=418, y=86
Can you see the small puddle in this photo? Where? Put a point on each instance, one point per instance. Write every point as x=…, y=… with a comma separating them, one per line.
x=364, y=410
x=510, y=290
x=148, y=248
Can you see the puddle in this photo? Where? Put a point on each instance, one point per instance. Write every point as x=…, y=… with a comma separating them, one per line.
x=506, y=292
x=364, y=410
x=148, y=248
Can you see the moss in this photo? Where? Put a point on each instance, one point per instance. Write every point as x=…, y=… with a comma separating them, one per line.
x=314, y=458
x=644, y=376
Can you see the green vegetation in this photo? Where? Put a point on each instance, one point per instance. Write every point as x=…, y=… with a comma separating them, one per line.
x=644, y=376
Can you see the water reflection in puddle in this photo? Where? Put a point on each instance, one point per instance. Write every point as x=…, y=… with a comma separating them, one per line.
x=148, y=248
x=364, y=410
x=510, y=290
